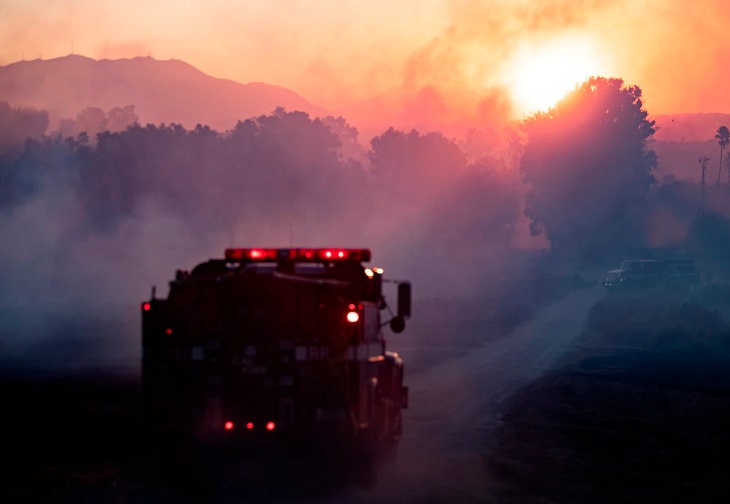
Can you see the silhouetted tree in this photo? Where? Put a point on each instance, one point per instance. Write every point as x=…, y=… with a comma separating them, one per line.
x=588, y=167
x=119, y=118
x=93, y=120
x=413, y=167
x=350, y=150
x=425, y=193
x=723, y=138
x=289, y=165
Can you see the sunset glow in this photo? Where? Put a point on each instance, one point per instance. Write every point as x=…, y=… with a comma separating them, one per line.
x=538, y=75
x=430, y=63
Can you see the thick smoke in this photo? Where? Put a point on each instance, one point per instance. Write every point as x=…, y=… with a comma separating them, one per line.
x=93, y=225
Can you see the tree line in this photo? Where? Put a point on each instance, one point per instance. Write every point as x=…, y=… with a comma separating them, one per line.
x=581, y=174
x=285, y=165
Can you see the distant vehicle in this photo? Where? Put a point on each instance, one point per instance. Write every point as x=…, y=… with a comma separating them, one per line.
x=681, y=272
x=268, y=346
x=647, y=273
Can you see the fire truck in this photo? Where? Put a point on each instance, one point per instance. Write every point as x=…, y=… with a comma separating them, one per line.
x=271, y=345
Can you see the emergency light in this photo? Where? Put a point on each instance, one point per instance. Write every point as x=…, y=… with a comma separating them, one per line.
x=297, y=255
x=352, y=316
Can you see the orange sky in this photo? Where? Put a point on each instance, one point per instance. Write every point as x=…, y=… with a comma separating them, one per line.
x=338, y=52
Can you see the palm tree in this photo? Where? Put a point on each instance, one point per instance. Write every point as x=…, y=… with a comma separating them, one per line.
x=723, y=138
x=703, y=165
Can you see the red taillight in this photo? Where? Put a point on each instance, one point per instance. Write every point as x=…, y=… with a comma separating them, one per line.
x=168, y=331
x=270, y=426
x=228, y=425
x=249, y=425
x=146, y=306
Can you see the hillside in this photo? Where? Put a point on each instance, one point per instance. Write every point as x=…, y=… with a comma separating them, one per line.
x=168, y=91
x=172, y=91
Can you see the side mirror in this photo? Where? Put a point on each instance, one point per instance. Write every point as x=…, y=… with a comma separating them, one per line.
x=397, y=324
x=404, y=300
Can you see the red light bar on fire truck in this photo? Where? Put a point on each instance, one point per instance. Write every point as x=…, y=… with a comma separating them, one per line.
x=297, y=255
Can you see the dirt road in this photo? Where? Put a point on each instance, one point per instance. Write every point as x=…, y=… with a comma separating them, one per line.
x=457, y=404
x=90, y=451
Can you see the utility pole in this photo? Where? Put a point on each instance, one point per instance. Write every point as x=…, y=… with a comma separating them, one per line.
x=703, y=164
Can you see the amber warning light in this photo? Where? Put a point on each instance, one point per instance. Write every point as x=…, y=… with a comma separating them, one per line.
x=297, y=255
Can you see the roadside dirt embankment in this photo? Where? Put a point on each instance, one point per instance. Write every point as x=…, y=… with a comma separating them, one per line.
x=637, y=413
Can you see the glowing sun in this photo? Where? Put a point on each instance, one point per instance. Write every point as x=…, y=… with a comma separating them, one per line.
x=540, y=74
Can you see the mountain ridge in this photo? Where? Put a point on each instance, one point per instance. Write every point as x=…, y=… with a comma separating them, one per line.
x=174, y=91
x=162, y=91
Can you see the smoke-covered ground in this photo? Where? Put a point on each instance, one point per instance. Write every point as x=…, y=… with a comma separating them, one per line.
x=458, y=401
x=552, y=391
x=637, y=413
x=89, y=226
x=463, y=359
